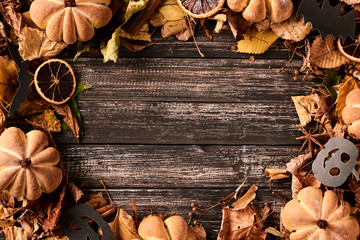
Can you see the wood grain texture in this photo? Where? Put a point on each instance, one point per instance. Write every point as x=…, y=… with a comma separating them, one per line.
x=172, y=166
x=186, y=123
x=221, y=46
x=192, y=80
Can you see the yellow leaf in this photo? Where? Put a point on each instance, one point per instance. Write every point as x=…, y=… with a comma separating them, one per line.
x=256, y=42
x=171, y=10
x=47, y=120
x=123, y=226
x=250, y=195
x=8, y=80
x=350, y=83
x=173, y=27
x=305, y=107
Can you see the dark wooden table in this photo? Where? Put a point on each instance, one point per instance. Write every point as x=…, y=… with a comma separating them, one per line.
x=165, y=127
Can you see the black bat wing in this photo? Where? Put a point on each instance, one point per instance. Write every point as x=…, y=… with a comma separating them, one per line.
x=326, y=19
x=346, y=26
x=311, y=12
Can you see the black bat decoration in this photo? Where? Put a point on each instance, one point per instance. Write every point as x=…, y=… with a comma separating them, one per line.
x=77, y=216
x=327, y=20
x=24, y=78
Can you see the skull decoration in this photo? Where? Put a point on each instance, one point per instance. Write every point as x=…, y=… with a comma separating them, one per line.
x=338, y=154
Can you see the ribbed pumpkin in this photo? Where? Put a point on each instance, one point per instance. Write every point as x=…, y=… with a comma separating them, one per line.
x=318, y=216
x=28, y=167
x=351, y=113
x=70, y=20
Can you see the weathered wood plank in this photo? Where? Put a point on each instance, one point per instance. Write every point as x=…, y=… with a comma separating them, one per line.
x=177, y=201
x=186, y=123
x=203, y=80
x=172, y=166
x=221, y=46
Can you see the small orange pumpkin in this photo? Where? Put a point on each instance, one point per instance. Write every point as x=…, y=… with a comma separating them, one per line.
x=315, y=216
x=28, y=167
x=70, y=20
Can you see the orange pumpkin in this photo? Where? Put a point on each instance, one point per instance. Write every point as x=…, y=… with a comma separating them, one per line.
x=28, y=167
x=70, y=20
x=318, y=216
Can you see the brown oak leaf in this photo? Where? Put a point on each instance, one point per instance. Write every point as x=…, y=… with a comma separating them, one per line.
x=324, y=53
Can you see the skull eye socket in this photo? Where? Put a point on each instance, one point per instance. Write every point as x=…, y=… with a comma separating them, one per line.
x=345, y=158
x=335, y=171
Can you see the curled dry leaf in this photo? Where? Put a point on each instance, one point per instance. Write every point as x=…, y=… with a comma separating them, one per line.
x=75, y=192
x=276, y=174
x=69, y=118
x=34, y=44
x=299, y=177
x=262, y=212
x=12, y=17
x=355, y=188
x=263, y=25
x=256, y=42
x=349, y=84
x=220, y=21
x=245, y=199
x=8, y=80
x=292, y=29
x=324, y=53
x=196, y=233
x=323, y=105
x=123, y=226
x=305, y=107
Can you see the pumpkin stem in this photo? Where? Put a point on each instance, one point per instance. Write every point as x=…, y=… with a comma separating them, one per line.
x=25, y=163
x=70, y=3
x=322, y=224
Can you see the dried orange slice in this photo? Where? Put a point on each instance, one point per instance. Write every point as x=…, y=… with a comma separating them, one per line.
x=201, y=8
x=55, y=81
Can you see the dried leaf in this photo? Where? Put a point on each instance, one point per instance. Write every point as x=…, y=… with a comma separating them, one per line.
x=81, y=47
x=8, y=80
x=186, y=33
x=34, y=44
x=47, y=120
x=301, y=180
x=123, y=226
x=196, y=232
x=53, y=211
x=142, y=35
x=111, y=48
x=355, y=188
x=28, y=108
x=276, y=174
x=262, y=212
x=16, y=233
x=305, y=107
x=324, y=53
x=256, y=42
x=238, y=25
x=263, y=25
x=96, y=200
x=12, y=18
x=69, y=118
x=298, y=162
x=76, y=193
x=173, y=27
x=349, y=84
x=244, y=200
x=134, y=47
x=238, y=224
x=323, y=103
x=292, y=29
